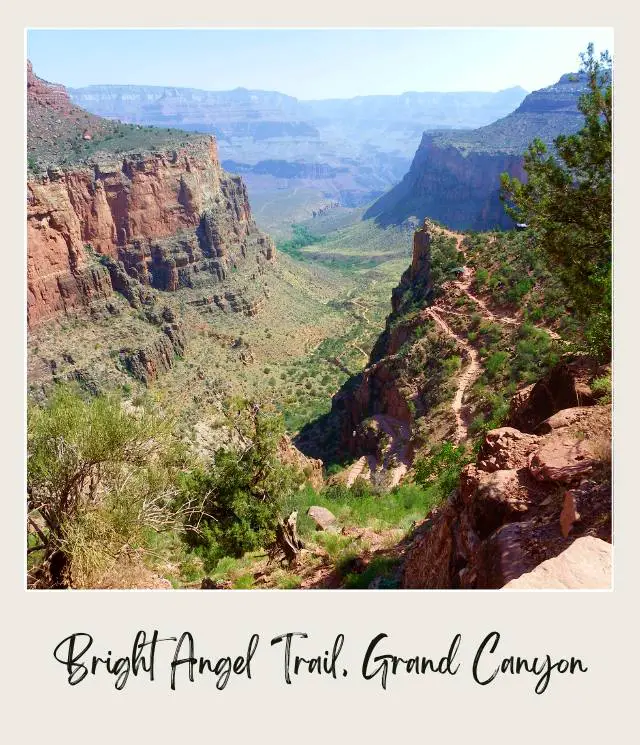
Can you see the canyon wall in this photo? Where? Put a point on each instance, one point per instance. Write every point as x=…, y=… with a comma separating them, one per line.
x=169, y=218
x=458, y=189
x=403, y=379
x=455, y=176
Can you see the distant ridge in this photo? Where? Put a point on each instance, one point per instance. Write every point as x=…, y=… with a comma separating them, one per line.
x=454, y=176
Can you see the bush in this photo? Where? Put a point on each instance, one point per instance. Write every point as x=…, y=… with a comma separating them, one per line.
x=482, y=276
x=241, y=493
x=97, y=478
x=441, y=468
x=602, y=386
x=495, y=364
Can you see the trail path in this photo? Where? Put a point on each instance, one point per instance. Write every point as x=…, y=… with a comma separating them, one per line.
x=467, y=378
x=473, y=369
x=395, y=461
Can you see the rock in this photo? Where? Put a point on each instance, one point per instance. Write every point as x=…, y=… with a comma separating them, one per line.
x=322, y=517
x=158, y=356
x=569, y=514
x=215, y=584
x=289, y=454
x=498, y=498
x=585, y=505
x=163, y=218
x=501, y=524
x=562, y=461
x=564, y=387
x=585, y=565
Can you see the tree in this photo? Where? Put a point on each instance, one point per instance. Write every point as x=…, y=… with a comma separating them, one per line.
x=98, y=477
x=566, y=202
x=242, y=491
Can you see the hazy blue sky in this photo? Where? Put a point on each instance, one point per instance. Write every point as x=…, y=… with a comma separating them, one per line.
x=315, y=63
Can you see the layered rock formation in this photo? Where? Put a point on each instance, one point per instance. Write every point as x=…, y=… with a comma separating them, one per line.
x=460, y=190
x=345, y=150
x=403, y=379
x=524, y=501
x=454, y=176
x=169, y=218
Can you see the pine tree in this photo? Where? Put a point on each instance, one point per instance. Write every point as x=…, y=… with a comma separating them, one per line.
x=566, y=202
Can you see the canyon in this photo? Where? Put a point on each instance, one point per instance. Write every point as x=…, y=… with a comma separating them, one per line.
x=147, y=273
x=454, y=176
x=297, y=156
x=166, y=219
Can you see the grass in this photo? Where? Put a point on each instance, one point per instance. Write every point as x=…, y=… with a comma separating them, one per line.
x=381, y=568
x=364, y=506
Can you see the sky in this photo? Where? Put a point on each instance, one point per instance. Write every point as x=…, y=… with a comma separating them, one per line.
x=315, y=63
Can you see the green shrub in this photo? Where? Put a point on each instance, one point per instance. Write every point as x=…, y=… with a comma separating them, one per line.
x=381, y=567
x=482, y=275
x=441, y=468
x=98, y=477
x=495, y=364
x=242, y=490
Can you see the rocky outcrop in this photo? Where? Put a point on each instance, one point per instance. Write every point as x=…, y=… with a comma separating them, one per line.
x=404, y=377
x=172, y=218
x=157, y=357
x=289, y=454
x=458, y=189
x=527, y=498
x=455, y=176
x=565, y=386
x=585, y=565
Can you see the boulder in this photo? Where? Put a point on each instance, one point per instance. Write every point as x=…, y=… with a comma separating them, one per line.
x=562, y=460
x=322, y=517
x=526, y=500
x=585, y=565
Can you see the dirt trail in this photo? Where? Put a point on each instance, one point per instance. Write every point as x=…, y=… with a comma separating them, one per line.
x=473, y=369
x=395, y=461
x=467, y=378
x=363, y=311
x=465, y=282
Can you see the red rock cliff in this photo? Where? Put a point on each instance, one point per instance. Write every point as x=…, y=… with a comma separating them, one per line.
x=167, y=216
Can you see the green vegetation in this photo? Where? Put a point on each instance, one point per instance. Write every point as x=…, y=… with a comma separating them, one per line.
x=510, y=267
x=98, y=477
x=445, y=260
x=241, y=491
x=441, y=468
x=301, y=237
x=107, y=138
x=353, y=250
x=109, y=484
x=566, y=202
x=602, y=387
x=381, y=568
x=367, y=506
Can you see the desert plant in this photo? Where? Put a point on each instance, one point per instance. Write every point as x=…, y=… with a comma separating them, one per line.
x=241, y=491
x=98, y=476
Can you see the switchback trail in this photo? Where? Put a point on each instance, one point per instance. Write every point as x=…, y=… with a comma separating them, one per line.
x=467, y=378
x=473, y=369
